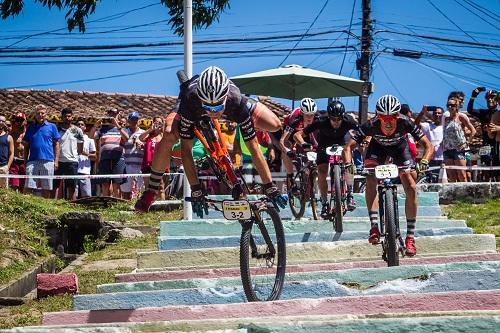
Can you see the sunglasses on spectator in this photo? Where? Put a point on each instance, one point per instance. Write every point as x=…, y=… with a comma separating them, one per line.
x=451, y=106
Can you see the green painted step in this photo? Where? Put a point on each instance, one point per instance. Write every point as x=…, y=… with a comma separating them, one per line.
x=423, y=198
x=364, y=277
x=220, y=227
x=298, y=253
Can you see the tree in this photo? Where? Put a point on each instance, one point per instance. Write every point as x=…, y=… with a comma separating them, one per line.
x=205, y=12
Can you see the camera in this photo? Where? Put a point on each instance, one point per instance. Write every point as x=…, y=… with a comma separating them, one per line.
x=481, y=89
x=431, y=108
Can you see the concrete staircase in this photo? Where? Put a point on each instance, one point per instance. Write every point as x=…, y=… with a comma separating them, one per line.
x=334, y=282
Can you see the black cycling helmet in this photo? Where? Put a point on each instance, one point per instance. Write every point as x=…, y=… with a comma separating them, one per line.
x=336, y=109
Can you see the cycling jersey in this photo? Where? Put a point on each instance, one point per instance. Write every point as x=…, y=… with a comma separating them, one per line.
x=328, y=136
x=238, y=108
x=296, y=117
x=373, y=128
x=293, y=123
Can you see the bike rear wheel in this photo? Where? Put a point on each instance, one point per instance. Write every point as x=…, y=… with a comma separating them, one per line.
x=263, y=263
x=297, y=199
x=336, y=209
x=312, y=194
x=391, y=237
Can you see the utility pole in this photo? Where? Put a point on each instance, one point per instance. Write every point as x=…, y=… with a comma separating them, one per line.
x=188, y=37
x=363, y=63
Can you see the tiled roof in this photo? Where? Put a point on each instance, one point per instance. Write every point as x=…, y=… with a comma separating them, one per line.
x=88, y=104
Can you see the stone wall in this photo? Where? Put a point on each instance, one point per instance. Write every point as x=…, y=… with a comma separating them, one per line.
x=471, y=192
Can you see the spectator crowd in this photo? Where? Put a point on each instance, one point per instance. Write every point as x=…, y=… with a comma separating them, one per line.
x=116, y=145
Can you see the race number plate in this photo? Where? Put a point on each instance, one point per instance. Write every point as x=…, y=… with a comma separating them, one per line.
x=386, y=171
x=236, y=210
x=484, y=150
x=334, y=150
x=311, y=156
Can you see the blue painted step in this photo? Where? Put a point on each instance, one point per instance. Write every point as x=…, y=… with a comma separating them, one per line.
x=188, y=242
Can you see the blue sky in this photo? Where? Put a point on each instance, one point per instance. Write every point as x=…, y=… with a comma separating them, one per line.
x=416, y=82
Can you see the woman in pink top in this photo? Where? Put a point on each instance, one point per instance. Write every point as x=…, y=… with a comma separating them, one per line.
x=151, y=138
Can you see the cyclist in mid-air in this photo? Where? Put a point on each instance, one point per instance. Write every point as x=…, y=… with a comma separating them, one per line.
x=388, y=130
x=333, y=130
x=301, y=117
x=213, y=94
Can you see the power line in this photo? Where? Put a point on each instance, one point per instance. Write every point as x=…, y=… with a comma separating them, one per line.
x=456, y=25
x=347, y=41
x=314, y=21
x=475, y=14
x=97, y=20
x=390, y=81
x=483, y=10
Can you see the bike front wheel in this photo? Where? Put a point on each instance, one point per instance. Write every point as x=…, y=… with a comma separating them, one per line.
x=297, y=196
x=391, y=237
x=336, y=213
x=263, y=256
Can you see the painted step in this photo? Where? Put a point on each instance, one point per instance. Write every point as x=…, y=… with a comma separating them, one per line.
x=357, y=305
x=408, y=322
x=223, y=227
x=235, y=271
x=301, y=253
x=358, y=212
x=423, y=198
x=187, y=242
x=449, y=281
x=364, y=277
x=414, y=325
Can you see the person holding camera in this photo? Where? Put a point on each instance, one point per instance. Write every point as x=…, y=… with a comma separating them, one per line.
x=484, y=116
x=134, y=152
x=433, y=130
x=109, y=134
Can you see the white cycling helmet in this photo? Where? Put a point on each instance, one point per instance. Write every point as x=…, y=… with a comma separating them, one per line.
x=308, y=106
x=213, y=85
x=388, y=105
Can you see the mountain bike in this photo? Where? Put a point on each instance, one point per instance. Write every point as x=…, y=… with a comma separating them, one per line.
x=337, y=206
x=390, y=234
x=304, y=180
x=262, y=241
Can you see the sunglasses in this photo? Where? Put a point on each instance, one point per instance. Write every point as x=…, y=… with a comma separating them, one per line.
x=451, y=106
x=213, y=108
x=387, y=118
x=336, y=119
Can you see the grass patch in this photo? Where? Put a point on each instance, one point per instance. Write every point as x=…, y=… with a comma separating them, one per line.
x=482, y=218
x=31, y=313
x=125, y=249
x=88, y=281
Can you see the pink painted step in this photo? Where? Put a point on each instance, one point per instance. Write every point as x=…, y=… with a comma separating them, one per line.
x=364, y=305
x=226, y=272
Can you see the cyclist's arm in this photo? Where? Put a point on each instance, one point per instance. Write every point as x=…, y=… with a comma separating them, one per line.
x=428, y=148
x=348, y=148
x=188, y=161
x=299, y=137
x=259, y=161
x=284, y=137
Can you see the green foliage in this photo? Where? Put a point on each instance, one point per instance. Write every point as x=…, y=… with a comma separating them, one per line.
x=205, y=12
x=89, y=243
x=88, y=281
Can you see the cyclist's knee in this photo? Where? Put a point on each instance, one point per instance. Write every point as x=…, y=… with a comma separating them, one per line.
x=265, y=119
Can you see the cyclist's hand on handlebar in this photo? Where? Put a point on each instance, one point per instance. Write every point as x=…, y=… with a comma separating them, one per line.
x=198, y=201
x=273, y=194
x=291, y=154
x=306, y=146
x=350, y=168
x=423, y=165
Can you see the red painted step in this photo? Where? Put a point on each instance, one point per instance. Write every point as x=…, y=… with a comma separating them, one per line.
x=364, y=305
x=227, y=272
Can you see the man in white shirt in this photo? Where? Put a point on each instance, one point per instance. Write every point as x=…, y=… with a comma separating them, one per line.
x=434, y=132
x=84, y=163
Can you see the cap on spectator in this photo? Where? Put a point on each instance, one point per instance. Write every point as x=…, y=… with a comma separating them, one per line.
x=66, y=111
x=133, y=115
x=113, y=111
x=405, y=109
x=20, y=115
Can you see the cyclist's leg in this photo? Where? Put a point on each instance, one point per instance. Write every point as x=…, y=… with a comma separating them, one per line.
x=375, y=155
